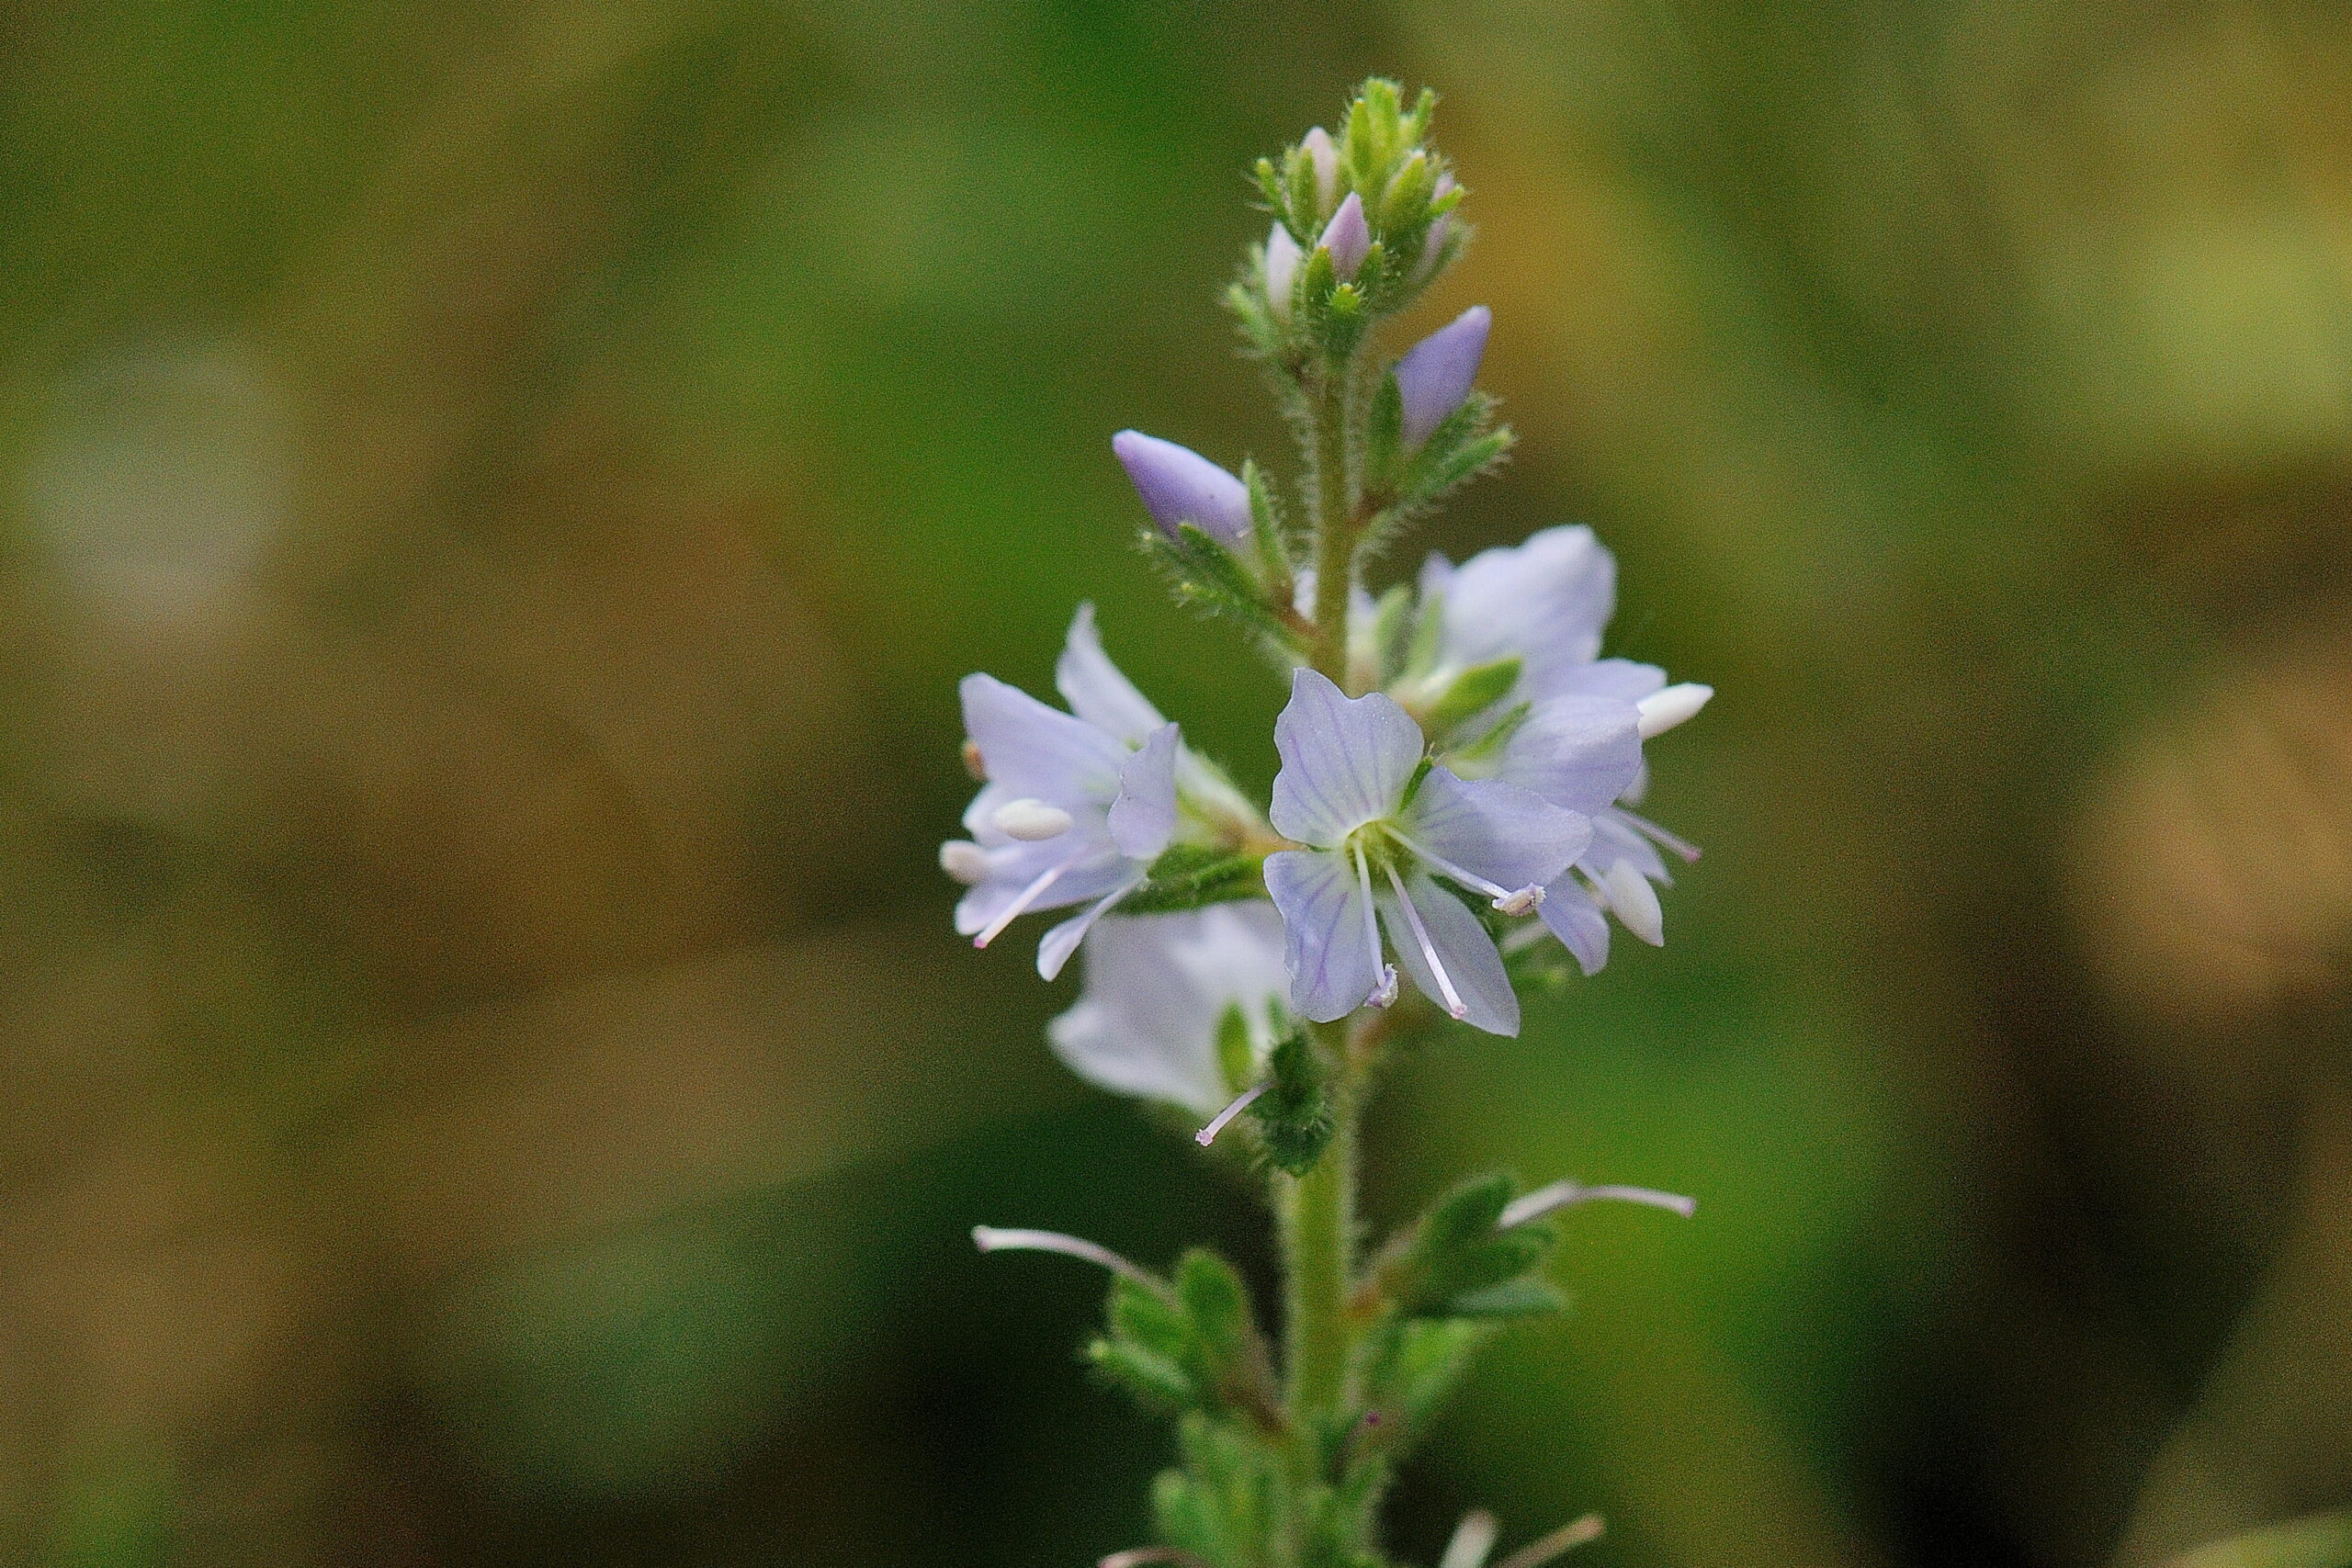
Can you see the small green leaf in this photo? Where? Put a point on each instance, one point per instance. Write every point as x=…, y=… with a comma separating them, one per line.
x=1512, y=1298
x=1474, y=690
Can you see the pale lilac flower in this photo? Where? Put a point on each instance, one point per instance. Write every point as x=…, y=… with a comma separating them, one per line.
x=1282, y=260
x=1078, y=804
x=1347, y=237
x=1180, y=486
x=1353, y=790
x=1158, y=989
x=1436, y=373
x=1546, y=602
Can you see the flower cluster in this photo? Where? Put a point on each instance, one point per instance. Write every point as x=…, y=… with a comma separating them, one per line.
x=1459, y=765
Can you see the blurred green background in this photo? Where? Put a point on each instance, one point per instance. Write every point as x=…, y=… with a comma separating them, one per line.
x=497, y=497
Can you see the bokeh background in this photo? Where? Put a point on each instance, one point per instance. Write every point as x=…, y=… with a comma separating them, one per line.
x=495, y=498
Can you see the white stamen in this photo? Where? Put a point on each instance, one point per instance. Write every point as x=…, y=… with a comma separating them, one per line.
x=1472, y=1539
x=965, y=861
x=1383, y=992
x=1560, y=1194
x=1661, y=838
x=1137, y=1556
x=988, y=1238
x=1522, y=902
x=1453, y=1003
x=1224, y=1118
x=1020, y=905
x=1636, y=902
x=1030, y=821
x=1661, y=711
x=1537, y=1552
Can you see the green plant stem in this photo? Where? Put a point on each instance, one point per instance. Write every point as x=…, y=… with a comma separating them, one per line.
x=1335, y=523
x=1318, y=1247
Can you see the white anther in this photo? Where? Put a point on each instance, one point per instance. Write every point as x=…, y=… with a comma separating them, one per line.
x=1030, y=821
x=1636, y=902
x=1523, y=902
x=1384, y=995
x=965, y=861
x=1661, y=711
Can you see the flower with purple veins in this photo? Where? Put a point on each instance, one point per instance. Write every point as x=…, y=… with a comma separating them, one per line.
x=1158, y=991
x=1077, y=805
x=1180, y=486
x=1545, y=603
x=1378, y=823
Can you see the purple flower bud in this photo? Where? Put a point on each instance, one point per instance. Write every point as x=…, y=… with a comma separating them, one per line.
x=1347, y=237
x=1433, y=246
x=1436, y=374
x=1283, y=257
x=1179, y=485
x=1326, y=159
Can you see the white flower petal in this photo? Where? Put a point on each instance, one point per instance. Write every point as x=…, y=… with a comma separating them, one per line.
x=1143, y=819
x=1570, y=914
x=1329, y=948
x=1545, y=602
x=1498, y=831
x=1095, y=688
x=1345, y=760
x=1472, y=964
x=1156, y=989
x=1579, y=752
x=1032, y=750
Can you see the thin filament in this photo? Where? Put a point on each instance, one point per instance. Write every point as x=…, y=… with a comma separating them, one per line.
x=1560, y=1194
x=990, y=1238
x=1469, y=879
x=1453, y=1003
x=1224, y=1118
x=1020, y=906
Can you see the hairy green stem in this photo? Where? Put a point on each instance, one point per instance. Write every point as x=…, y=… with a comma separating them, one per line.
x=1334, y=523
x=1318, y=1250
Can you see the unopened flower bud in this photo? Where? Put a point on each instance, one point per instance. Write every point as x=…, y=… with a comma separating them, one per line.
x=1180, y=486
x=1347, y=237
x=1661, y=711
x=965, y=861
x=1433, y=244
x=1634, y=901
x=1030, y=821
x=1436, y=374
x=1321, y=153
x=1283, y=257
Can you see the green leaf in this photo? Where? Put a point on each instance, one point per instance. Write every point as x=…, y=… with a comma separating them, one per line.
x=1189, y=876
x=1475, y=691
x=1512, y=1298
x=1455, y=1254
x=1153, y=1382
